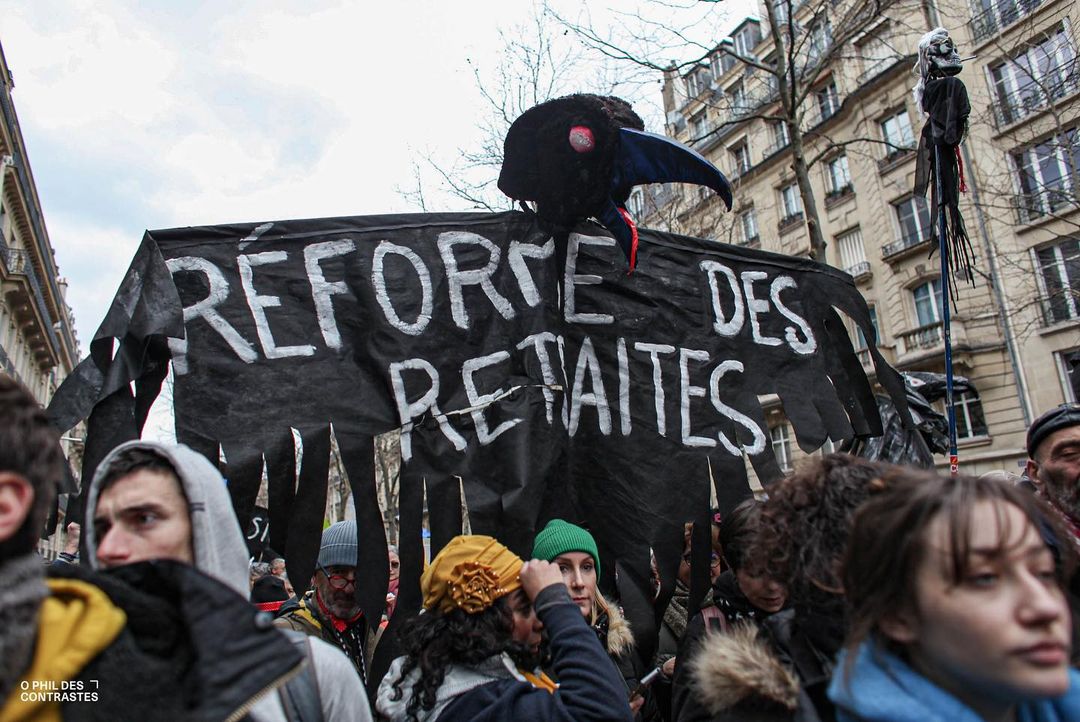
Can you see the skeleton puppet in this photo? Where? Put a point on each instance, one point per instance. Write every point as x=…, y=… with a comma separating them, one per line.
x=944, y=100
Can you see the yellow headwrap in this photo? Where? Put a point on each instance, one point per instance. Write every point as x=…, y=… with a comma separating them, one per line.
x=470, y=573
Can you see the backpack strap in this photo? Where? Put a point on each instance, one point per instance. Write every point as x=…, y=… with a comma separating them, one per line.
x=300, y=695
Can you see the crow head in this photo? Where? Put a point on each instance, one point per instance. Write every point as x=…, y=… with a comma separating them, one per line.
x=580, y=156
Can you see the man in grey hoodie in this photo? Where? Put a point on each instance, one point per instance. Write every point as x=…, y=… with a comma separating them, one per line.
x=156, y=501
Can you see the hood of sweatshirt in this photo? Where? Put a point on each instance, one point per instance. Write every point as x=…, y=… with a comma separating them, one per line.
x=218, y=542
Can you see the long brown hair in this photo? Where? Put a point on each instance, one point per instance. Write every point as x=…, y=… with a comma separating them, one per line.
x=888, y=541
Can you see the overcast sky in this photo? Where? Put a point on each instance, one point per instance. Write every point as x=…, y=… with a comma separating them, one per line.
x=165, y=113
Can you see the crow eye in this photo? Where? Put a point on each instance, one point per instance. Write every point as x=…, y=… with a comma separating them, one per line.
x=581, y=139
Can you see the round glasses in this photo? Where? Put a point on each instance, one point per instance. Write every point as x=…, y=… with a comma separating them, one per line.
x=337, y=580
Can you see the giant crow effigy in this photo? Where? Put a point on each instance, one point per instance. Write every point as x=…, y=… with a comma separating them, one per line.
x=530, y=375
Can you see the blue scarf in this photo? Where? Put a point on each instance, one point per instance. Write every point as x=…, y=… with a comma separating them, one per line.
x=883, y=688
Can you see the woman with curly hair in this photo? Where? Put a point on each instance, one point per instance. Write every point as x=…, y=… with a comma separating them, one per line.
x=781, y=669
x=958, y=607
x=472, y=653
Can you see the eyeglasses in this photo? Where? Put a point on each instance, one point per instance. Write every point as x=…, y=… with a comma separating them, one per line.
x=336, y=579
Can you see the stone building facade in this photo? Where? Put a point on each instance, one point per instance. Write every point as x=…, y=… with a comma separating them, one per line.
x=38, y=345
x=1016, y=331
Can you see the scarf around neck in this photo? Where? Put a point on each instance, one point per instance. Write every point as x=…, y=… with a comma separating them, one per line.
x=22, y=589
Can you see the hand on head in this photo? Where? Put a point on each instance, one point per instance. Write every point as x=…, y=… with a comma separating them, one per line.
x=538, y=574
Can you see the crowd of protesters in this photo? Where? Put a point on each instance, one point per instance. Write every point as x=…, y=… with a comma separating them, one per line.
x=851, y=591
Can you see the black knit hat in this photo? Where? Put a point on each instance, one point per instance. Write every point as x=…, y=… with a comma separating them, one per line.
x=268, y=589
x=1060, y=417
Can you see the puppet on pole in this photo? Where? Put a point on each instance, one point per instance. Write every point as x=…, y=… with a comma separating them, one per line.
x=944, y=101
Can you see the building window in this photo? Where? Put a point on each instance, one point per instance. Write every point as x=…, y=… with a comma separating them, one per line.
x=1068, y=363
x=820, y=40
x=698, y=81
x=1032, y=79
x=928, y=303
x=1042, y=175
x=877, y=54
x=970, y=421
x=828, y=102
x=699, y=127
x=852, y=252
x=1059, y=280
x=781, y=445
x=989, y=16
x=745, y=40
x=737, y=98
x=896, y=130
x=790, y=201
x=636, y=203
x=780, y=136
x=839, y=175
x=740, y=158
x=748, y=224
x=913, y=217
x=780, y=10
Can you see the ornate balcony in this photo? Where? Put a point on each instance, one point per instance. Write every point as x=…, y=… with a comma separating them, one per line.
x=1036, y=96
x=1001, y=13
x=859, y=270
x=897, y=249
x=17, y=263
x=1030, y=207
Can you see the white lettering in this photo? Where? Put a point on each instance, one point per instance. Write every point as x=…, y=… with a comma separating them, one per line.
x=654, y=350
x=322, y=290
x=410, y=411
x=758, y=444
x=207, y=310
x=687, y=391
x=624, y=387
x=477, y=399
x=538, y=341
x=517, y=254
x=382, y=294
x=755, y=307
x=457, y=279
x=588, y=362
x=730, y=326
x=258, y=305
x=807, y=344
x=574, y=279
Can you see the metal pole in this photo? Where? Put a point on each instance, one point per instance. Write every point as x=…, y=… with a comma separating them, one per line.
x=946, y=322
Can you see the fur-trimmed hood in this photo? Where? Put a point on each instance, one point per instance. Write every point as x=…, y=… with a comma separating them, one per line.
x=740, y=666
x=614, y=629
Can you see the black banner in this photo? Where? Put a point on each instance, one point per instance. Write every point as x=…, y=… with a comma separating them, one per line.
x=609, y=399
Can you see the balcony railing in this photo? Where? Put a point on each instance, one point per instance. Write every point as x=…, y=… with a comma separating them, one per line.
x=777, y=145
x=879, y=67
x=895, y=157
x=923, y=338
x=789, y=222
x=824, y=112
x=1062, y=307
x=840, y=194
x=897, y=247
x=1030, y=207
x=1001, y=13
x=862, y=268
x=18, y=262
x=1036, y=96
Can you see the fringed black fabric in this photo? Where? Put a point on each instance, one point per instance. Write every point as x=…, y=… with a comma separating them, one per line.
x=945, y=100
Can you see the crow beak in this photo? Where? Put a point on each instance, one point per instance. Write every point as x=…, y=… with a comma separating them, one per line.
x=650, y=158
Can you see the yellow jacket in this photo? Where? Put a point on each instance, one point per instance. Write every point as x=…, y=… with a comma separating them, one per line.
x=76, y=623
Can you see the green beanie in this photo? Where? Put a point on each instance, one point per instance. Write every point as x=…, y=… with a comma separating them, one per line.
x=559, y=537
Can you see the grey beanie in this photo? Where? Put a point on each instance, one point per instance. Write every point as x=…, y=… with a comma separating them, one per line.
x=338, y=548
